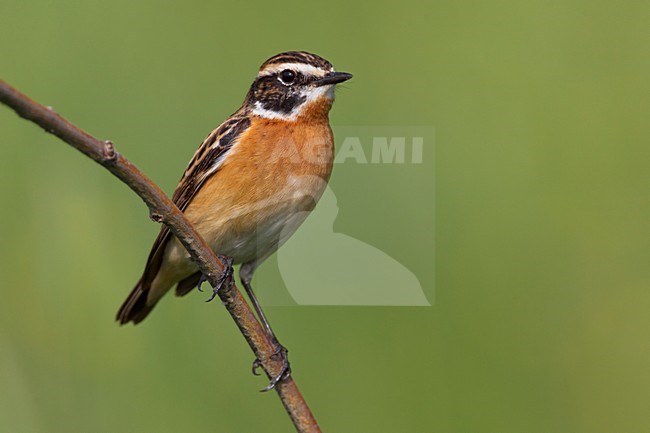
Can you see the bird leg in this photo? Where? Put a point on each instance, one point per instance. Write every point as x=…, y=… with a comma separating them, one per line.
x=280, y=351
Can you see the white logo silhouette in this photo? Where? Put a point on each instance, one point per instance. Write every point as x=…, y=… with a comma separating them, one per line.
x=321, y=267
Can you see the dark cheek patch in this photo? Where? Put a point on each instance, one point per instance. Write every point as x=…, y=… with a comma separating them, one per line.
x=274, y=96
x=283, y=104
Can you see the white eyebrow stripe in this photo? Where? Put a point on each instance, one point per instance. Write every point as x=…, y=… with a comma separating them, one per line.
x=299, y=67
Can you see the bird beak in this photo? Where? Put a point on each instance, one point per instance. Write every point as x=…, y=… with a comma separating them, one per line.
x=333, y=78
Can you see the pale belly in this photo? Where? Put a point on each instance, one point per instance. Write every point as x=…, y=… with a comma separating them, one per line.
x=255, y=231
x=246, y=233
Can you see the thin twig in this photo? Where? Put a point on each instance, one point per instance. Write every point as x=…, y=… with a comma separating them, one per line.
x=162, y=209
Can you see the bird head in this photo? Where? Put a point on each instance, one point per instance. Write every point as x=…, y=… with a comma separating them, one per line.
x=289, y=84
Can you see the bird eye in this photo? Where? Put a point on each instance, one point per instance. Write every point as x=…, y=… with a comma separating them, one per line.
x=287, y=76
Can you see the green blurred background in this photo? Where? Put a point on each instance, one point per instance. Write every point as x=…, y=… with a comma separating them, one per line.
x=540, y=321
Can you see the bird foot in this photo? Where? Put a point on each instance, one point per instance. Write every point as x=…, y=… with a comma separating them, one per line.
x=282, y=353
x=227, y=273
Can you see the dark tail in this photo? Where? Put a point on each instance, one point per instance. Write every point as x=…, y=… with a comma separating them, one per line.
x=135, y=308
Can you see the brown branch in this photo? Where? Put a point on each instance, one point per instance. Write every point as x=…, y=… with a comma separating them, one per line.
x=162, y=209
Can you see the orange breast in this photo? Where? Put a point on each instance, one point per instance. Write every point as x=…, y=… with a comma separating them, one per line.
x=276, y=168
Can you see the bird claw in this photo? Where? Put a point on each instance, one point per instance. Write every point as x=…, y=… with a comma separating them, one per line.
x=282, y=352
x=227, y=273
x=256, y=364
x=202, y=279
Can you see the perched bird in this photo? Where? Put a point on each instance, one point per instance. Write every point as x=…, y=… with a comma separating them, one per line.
x=250, y=182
